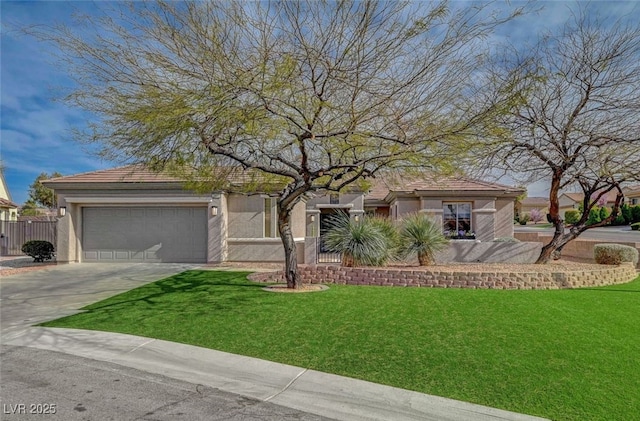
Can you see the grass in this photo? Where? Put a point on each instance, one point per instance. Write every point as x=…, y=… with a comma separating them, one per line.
x=565, y=355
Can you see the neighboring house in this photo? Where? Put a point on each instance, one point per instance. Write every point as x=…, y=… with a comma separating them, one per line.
x=632, y=195
x=569, y=201
x=528, y=204
x=132, y=214
x=8, y=209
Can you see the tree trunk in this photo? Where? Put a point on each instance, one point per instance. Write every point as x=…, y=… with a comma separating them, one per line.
x=554, y=216
x=423, y=259
x=290, y=255
x=347, y=260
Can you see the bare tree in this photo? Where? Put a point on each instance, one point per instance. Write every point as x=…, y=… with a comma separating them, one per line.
x=313, y=95
x=572, y=117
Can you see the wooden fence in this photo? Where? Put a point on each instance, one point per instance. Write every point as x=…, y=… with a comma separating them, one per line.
x=13, y=234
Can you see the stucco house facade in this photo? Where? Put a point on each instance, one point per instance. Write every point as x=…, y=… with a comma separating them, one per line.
x=632, y=195
x=132, y=214
x=574, y=200
x=8, y=209
x=528, y=204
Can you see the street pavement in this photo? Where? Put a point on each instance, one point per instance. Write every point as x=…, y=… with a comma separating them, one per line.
x=103, y=375
x=46, y=385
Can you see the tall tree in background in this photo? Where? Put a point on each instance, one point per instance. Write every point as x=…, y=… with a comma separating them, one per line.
x=39, y=195
x=315, y=95
x=572, y=117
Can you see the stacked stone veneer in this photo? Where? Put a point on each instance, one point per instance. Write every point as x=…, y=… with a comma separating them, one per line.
x=428, y=277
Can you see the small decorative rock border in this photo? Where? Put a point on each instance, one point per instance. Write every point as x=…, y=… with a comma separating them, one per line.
x=443, y=277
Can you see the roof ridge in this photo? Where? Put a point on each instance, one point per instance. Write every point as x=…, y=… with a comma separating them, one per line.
x=93, y=172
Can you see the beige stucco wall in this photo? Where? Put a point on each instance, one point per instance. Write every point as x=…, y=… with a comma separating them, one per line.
x=490, y=217
x=353, y=200
x=261, y=250
x=504, y=218
x=565, y=204
x=245, y=216
x=405, y=206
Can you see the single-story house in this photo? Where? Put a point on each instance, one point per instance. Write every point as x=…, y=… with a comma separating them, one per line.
x=132, y=214
x=528, y=204
x=570, y=200
x=632, y=195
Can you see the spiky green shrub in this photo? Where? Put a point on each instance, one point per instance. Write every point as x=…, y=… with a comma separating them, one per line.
x=391, y=237
x=604, y=213
x=635, y=226
x=359, y=242
x=572, y=216
x=614, y=254
x=421, y=236
x=38, y=249
x=524, y=218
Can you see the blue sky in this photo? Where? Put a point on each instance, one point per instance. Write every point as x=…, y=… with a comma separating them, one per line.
x=35, y=127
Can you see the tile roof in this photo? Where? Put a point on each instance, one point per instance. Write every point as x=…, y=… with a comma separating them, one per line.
x=5, y=203
x=577, y=197
x=381, y=188
x=126, y=174
x=632, y=190
x=535, y=201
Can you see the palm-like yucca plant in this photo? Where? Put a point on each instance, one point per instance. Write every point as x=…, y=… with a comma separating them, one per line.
x=421, y=236
x=391, y=238
x=359, y=242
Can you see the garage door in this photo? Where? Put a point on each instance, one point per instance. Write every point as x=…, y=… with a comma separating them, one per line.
x=152, y=234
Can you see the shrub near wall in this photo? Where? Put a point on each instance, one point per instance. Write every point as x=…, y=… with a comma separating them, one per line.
x=614, y=254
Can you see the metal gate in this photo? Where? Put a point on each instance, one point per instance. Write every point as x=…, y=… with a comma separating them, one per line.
x=13, y=234
x=325, y=256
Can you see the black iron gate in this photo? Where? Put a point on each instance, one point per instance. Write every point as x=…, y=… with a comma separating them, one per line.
x=13, y=234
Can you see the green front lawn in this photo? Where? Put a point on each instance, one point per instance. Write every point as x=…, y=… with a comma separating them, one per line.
x=565, y=355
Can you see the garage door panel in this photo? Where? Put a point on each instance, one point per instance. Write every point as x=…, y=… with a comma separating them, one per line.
x=153, y=234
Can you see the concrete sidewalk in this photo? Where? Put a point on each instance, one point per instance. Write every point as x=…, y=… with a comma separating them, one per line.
x=310, y=391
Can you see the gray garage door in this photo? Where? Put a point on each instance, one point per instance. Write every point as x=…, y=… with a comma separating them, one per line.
x=151, y=234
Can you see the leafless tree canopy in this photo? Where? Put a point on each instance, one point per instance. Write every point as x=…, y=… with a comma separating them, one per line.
x=319, y=94
x=572, y=116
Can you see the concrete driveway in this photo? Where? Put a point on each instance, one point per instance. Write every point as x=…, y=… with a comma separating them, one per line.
x=35, y=297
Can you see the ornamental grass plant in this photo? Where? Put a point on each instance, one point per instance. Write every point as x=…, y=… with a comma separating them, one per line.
x=420, y=236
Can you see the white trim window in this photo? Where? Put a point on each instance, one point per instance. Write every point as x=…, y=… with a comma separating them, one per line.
x=270, y=217
x=456, y=220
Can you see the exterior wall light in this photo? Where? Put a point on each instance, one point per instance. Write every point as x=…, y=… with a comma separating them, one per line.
x=313, y=218
x=62, y=211
x=214, y=211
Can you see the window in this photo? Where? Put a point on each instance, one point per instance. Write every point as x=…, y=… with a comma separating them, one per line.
x=456, y=220
x=270, y=217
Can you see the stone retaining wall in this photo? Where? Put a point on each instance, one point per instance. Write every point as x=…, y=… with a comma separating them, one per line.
x=580, y=248
x=430, y=277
